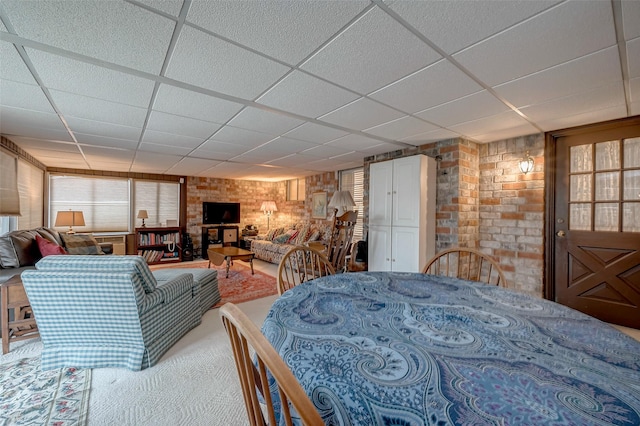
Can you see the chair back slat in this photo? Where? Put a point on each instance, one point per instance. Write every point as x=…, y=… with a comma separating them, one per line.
x=466, y=263
x=301, y=264
x=246, y=338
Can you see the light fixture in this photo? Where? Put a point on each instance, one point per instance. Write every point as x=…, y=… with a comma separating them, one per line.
x=70, y=218
x=268, y=207
x=526, y=163
x=342, y=201
x=142, y=214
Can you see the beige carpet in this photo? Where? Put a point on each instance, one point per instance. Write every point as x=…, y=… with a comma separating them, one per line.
x=195, y=382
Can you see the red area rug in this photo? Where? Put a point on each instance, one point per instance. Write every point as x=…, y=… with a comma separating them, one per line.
x=240, y=287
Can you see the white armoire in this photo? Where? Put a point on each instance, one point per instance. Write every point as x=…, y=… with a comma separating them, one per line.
x=402, y=214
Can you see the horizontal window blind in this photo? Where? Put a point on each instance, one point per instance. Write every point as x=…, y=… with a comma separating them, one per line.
x=353, y=181
x=9, y=195
x=104, y=202
x=161, y=200
x=30, y=187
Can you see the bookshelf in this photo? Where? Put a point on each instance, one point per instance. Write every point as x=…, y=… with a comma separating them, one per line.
x=159, y=245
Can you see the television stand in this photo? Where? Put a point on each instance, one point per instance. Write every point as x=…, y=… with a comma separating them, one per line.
x=220, y=236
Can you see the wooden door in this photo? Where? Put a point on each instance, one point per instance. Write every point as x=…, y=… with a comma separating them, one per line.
x=594, y=223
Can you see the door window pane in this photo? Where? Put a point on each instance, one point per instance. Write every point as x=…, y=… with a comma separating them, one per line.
x=632, y=152
x=630, y=217
x=606, y=217
x=580, y=158
x=607, y=186
x=608, y=155
x=632, y=185
x=580, y=217
x=580, y=188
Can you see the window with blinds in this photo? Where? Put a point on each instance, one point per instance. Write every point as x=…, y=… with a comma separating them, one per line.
x=30, y=187
x=295, y=190
x=353, y=181
x=109, y=204
x=161, y=200
x=104, y=202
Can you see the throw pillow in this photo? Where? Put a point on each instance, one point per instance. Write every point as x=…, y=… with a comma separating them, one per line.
x=303, y=235
x=47, y=248
x=315, y=234
x=281, y=239
x=81, y=244
x=8, y=258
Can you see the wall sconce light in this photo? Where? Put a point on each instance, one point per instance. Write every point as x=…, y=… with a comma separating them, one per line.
x=268, y=207
x=142, y=214
x=341, y=201
x=526, y=163
x=70, y=219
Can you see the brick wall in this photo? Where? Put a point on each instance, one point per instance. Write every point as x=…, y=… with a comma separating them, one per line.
x=512, y=210
x=250, y=195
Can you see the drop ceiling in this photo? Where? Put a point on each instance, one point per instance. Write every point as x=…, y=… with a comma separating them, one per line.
x=272, y=90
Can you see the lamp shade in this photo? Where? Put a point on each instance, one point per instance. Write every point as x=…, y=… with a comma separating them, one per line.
x=142, y=214
x=70, y=218
x=268, y=207
x=342, y=201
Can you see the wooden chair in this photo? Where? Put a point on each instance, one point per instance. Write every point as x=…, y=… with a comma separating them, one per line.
x=468, y=264
x=341, y=239
x=301, y=264
x=246, y=337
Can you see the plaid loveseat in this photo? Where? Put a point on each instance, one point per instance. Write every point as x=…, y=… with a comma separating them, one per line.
x=108, y=311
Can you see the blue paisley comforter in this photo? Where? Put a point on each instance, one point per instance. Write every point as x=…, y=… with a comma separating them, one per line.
x=411, y=349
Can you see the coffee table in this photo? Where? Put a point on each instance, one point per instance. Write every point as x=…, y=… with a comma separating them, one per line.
x=23, y=325
x=218, y=255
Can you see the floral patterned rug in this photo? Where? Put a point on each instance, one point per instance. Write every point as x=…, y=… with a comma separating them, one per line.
x=29, y=396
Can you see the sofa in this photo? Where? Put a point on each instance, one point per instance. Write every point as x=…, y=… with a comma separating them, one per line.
x=20, y=250
x=272, y=247
x=108, y=311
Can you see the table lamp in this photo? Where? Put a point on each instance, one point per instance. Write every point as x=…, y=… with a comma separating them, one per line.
x=70, y=218
x=342, y=201
x=142, y=214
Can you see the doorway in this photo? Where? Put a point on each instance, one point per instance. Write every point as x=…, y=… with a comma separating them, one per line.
x=593, y=220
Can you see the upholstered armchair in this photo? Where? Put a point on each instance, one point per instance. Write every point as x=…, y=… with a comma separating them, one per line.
x=108, y=311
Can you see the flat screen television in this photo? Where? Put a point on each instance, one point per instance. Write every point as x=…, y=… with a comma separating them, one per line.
x=220, y=213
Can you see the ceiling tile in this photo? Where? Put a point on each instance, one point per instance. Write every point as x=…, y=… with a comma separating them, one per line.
x=12, y=66
x=14, y=119
x=84, y=79
x=191, y=166
x=472, y=107
x=94, y=153
x=30, y=144
x=455, y=25
x=630, y=21
x=185, y=143
x=206, y=61
x=99, y=140
x=154, y=161
x=288, y=31
x=361, y=114
x=295, y=91
x=153, y=148
x=174, y=124
x=431, y=86
x=78, y=106
x=218, y=150
x=507, y=133
x=329, y=165
x=373, y=52
x=186, y=103
x=435, y=135
x=603, y=97
x=246, y=138
x=401, y=128
x=542, y=42
x=326, y=151
x=563, y=80
x=354, y=142
x=315, y=133
x=264, y=121
x=566, y=121
x=293, y=160
x=25, y=96
x=172, y=7
x=287, y=146
x=105, y=30
x=505, y=120
x=633, y=57
x=79, y=125
x=72, y=161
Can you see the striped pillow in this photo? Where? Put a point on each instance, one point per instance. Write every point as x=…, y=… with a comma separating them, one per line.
x=81, y=244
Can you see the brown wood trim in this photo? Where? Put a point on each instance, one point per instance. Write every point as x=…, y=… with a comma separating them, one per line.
x=548, y=285
x=597, y=127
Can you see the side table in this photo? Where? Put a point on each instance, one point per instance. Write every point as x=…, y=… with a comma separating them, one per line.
x=23, y=324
